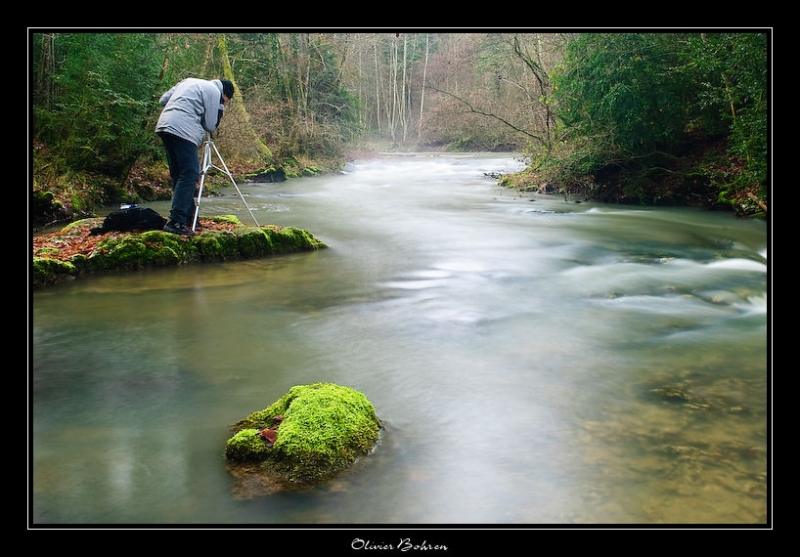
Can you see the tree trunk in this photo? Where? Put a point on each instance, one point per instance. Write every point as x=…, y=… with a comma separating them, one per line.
x=261, y=156
x=422, y=93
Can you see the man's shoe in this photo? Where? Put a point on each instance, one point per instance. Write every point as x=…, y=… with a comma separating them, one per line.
x=179, y=228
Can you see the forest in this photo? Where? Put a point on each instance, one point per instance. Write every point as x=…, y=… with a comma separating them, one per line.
x=680, y=118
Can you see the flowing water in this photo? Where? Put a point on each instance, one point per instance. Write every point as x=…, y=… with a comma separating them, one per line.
x=535, y=360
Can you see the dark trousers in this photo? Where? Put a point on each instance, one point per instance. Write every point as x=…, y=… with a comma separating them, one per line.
x=184, y=171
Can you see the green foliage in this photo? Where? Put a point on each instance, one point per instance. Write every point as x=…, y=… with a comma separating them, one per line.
x=625, y=104
x=740, y=94
x=102, y=88
x=622, y=90
x=45, y=206
x=630, y=103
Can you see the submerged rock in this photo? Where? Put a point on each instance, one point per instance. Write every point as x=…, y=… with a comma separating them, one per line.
x=307, y=436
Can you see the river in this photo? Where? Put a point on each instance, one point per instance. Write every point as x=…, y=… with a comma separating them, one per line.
x=535, y=361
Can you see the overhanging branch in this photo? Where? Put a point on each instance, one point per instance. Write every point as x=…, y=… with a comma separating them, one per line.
x=487, y=114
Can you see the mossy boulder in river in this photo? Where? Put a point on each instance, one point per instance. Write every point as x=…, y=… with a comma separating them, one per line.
x=75, y=251
x=307, y=436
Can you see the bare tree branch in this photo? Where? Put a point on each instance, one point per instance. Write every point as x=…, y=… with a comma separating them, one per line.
x=474, y=110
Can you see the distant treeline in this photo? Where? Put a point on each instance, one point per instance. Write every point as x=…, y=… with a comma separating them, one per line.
x=609, y=115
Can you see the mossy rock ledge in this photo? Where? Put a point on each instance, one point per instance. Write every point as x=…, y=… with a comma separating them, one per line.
x=311, y=434
x=125, y=251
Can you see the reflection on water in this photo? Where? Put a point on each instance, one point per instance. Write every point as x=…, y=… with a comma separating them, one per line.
x=535, y=361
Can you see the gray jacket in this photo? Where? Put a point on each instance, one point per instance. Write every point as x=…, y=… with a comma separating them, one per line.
x=191, y=108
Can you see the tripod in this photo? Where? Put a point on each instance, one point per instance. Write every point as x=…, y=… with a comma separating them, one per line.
x=208, y=146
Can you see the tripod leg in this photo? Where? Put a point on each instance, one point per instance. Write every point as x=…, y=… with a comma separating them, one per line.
x=197, y=202
x=203, y=172
x=228, y=172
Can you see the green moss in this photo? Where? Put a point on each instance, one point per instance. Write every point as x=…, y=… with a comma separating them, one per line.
x=254, y=242
x=246, y=445
x=50, y=271
x=291, y=239
x=215, y=245
x=164, y=249
x=325, y=429
x=80, y=262
x=76, y=228
x=136, y=251
x=230, y=219
x=133, y=251
x=245, y=242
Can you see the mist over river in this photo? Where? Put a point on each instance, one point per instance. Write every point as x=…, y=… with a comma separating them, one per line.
x=535, y=361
